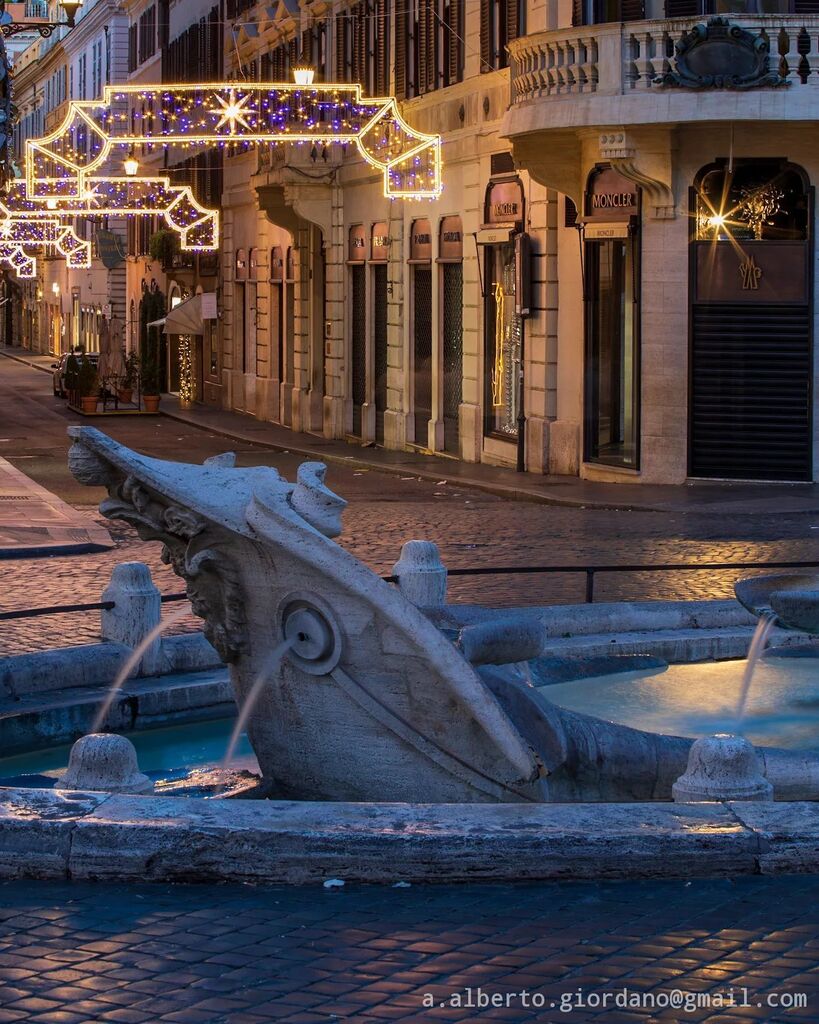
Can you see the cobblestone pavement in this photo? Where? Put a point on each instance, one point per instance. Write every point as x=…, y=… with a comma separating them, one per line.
x=71, y=953
x=471, y=528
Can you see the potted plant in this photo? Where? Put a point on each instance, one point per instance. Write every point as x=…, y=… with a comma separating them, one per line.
x=88, y=386
x=163, y=246
x=129, y=378
x=150, y=385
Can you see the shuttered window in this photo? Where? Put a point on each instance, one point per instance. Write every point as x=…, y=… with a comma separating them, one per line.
x=429, y=41
x=501, y=22
x=597, y=12
x=196, y=53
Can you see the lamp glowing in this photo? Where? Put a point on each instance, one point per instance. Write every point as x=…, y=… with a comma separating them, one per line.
x=70, y=7
x=303, y=73
x=56, y=287
x=131, y=165
x=716, y=222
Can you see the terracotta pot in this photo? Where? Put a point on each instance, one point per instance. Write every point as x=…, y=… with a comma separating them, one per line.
x=151, y=403
x=125, y=394
x=89, y=403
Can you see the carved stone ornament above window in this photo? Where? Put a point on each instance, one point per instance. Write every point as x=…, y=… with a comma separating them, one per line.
x=720, y=55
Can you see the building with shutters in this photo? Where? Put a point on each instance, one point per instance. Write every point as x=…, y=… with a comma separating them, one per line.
x=680, y=138
x=355, y=316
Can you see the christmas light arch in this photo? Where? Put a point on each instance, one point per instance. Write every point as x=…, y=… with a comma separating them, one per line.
x=59, y=165
x=198, y=227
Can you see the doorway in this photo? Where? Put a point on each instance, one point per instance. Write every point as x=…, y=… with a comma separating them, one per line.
x=422, y=335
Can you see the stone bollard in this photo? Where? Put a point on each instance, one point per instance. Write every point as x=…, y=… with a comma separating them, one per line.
x=722, y=767
x=421, y=574
x=137, y=611
x=104, y=762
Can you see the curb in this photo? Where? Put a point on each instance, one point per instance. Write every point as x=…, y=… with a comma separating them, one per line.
x=25, y=362
x=101, y=836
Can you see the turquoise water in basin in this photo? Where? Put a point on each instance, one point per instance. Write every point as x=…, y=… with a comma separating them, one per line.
x=700, y=699
x=164, y=754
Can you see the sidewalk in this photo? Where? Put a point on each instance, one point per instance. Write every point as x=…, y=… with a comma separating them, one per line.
x=35, y=523
x=716, y=498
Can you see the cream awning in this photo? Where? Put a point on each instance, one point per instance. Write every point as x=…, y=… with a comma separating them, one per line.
x=186, y=318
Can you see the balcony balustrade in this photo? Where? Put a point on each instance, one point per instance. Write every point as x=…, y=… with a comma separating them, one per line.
x=621, y=58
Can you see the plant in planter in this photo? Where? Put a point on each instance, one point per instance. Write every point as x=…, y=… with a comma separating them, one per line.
x=129, y=378
x=88, y=386
x=163, y=246
x=150, y=385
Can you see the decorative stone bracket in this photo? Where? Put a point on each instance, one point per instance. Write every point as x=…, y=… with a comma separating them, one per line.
x=616, y=148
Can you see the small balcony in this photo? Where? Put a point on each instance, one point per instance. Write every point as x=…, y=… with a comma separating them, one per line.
x=638, y=73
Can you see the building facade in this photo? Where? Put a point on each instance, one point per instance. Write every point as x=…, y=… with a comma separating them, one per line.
x=616, y=282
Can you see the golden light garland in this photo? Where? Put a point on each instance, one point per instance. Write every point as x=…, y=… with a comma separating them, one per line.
x=185, y=370
x=184, y=115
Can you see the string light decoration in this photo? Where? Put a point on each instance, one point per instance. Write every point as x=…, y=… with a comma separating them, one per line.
x=197, y=226
x=60, y=165
x=185, y=370
x=24, y=266
x=26, y=232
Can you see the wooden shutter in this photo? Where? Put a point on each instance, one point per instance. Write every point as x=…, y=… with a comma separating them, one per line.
x=487, y=57
x=382, y=66
x=401, y=44
x=455, y=47
x=307, y=46
x=632, y=10
x=806, y=6
x=513, y=19
x=578, y=13
x=424, y=56
x=432, y=43
x=340, y=27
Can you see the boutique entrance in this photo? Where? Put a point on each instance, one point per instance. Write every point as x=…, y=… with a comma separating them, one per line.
x=611, y=239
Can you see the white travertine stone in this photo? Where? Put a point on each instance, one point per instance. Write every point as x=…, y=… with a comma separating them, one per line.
x=104, y=762
x=137, y=611
x=421, y=574
x=722, y=767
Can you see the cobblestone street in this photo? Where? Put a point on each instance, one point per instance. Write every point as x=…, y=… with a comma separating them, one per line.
x=472, y=528
x=71, y=953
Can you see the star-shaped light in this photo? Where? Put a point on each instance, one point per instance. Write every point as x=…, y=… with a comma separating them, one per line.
x=232, y=111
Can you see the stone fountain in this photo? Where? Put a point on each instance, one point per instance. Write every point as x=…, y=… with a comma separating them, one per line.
x=372, y=701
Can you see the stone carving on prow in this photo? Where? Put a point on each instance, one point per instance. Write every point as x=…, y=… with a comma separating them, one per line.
x=216, y=596
x=190, y=547
x=315, y=502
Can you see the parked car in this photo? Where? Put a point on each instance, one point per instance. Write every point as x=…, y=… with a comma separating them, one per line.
x=58, y=377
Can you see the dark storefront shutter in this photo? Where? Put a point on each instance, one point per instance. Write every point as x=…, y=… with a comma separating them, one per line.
x=401, y=42
x=487, y=62
x=633, y=10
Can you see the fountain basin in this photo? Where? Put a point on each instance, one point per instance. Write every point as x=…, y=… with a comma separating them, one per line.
x=700, y=699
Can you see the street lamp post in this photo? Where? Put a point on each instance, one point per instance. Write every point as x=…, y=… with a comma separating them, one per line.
x=9, y=27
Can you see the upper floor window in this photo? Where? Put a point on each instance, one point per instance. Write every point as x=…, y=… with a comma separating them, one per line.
x=501, y=22
x=362, y=40
x=429, y=40
x=595, y=12
x=197, y=55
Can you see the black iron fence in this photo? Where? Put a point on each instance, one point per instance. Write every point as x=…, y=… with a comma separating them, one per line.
x=588, y=571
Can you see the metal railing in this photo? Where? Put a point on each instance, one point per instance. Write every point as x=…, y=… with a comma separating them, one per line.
x=588, y=571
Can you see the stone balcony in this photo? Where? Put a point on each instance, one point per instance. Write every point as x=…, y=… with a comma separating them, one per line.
x=611, y=75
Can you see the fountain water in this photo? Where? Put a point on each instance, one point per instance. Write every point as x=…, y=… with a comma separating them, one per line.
x=767, y=621
x=131, y=663
x=253, y=695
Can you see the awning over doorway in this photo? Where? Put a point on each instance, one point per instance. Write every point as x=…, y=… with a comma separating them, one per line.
x=186, y=318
